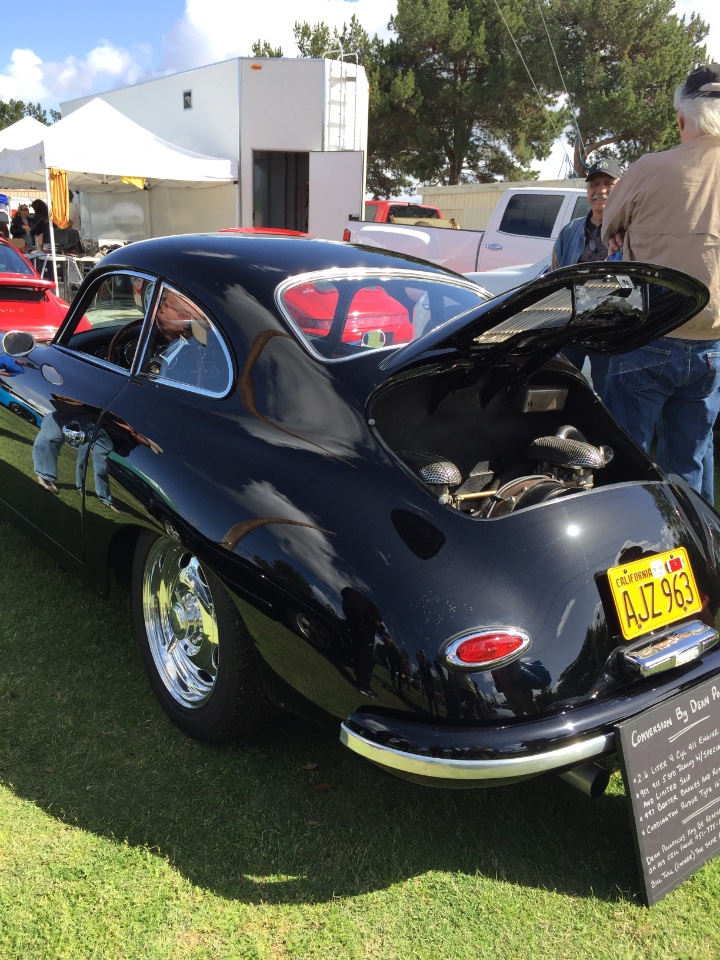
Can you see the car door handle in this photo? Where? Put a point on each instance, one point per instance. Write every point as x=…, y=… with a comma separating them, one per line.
x=74, y=435
x=494, y=246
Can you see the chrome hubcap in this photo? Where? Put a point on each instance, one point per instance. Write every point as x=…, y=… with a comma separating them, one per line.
x=181, y=623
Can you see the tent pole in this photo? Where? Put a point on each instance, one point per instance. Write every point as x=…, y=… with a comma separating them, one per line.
x=52, y=232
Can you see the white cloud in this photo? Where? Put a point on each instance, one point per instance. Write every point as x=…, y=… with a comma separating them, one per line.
x=210, y=33
x=104, y=66
x=709, y=11
x=29, y=79
x=23, y=79
x=207, y=32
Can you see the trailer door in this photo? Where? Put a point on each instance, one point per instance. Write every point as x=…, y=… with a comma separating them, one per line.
x=337, y=191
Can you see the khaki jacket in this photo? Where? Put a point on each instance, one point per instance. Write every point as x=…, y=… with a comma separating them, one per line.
x=669, y=204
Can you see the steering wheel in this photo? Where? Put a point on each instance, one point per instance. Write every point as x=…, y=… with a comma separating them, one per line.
x=123, y=345
x=188, y=367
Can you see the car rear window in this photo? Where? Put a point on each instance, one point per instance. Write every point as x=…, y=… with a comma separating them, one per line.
x=344, y=316
x=413, y=210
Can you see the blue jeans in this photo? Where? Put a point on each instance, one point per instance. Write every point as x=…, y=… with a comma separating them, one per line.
x=672, y=387
x=102, y=446
x=598, y=366
x=46, y=450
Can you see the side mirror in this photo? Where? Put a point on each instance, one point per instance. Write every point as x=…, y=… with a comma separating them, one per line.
x=18, y=343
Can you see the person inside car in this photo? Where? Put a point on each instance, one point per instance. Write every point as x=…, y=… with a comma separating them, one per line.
x=184, y=347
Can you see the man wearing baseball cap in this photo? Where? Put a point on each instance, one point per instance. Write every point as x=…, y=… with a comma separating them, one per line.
x=666, y=210
x=580, y=242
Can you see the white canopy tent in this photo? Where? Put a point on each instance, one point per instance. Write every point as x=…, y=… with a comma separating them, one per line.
x=19, y=135
x=97, y=146
x=100, y=149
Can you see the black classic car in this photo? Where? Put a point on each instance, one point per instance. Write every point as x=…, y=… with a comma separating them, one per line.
x=346, y=483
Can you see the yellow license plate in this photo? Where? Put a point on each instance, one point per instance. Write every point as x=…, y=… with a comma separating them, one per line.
x=653, y=592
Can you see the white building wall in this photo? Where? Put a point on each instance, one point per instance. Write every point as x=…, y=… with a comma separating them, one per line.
x=210, y=126
x=281, y=108
x=238, y=107
x=346, y=106
x=297, y=106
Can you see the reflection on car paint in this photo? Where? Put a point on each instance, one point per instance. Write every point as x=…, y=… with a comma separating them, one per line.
x=386, y=466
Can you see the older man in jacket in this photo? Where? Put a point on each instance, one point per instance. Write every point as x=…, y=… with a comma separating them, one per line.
x=666, y=210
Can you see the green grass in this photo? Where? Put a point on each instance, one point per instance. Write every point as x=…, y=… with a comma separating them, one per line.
x=120, y=838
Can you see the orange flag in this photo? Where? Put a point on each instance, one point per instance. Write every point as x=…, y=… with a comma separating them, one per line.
x=59, y=198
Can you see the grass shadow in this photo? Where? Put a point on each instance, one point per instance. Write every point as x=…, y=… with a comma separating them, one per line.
x=290, y=817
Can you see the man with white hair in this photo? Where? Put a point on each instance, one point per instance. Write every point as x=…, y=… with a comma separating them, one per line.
x=666, y=210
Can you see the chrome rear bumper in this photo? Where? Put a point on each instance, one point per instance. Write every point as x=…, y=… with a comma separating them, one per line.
x=445, y=754
x=672, y=648
x=446, y=768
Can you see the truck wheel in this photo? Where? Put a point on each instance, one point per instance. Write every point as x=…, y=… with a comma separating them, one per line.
x=195, y=648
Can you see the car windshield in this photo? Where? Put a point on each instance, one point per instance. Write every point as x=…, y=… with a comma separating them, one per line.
x=12, y=262
x=344, y=316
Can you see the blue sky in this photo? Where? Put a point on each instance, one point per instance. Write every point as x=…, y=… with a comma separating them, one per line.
x=59, y=51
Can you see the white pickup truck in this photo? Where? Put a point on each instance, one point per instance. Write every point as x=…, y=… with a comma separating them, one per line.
x=522, y=230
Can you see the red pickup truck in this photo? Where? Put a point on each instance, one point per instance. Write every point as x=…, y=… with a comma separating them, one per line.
x=385, y=211
x=402, y=212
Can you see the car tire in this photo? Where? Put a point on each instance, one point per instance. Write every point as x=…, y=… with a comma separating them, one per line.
x=196, y=650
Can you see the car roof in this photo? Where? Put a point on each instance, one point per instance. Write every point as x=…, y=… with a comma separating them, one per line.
x=515, y=325
x=207, y=265
x=258, y=262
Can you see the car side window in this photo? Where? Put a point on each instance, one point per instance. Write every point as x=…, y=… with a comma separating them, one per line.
x=184, y=347
x=531, y=216
x=110, y=319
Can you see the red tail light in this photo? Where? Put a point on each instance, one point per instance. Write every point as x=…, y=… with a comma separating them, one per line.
x=487, y=648
x=346, y=234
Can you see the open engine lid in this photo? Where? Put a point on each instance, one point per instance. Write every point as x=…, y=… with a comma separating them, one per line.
x=607, y=306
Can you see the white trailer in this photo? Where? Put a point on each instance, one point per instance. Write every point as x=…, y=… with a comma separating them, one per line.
x=297, y=128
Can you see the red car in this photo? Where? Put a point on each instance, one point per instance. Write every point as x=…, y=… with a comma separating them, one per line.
x=265, y=231
x=27, y=302
x=313, y=306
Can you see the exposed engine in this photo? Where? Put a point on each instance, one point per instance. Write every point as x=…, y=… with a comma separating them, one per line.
x=558, y=465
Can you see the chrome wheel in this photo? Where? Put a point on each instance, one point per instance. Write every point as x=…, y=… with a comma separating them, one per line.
x=180, y=624
x=199, y=657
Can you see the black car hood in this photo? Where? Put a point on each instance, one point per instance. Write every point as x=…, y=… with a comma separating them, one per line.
x=608, y=307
